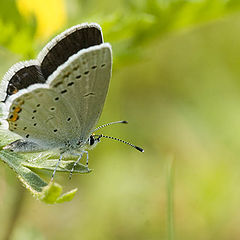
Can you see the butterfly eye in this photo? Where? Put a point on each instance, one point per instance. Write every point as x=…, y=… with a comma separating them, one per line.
x=91, y=140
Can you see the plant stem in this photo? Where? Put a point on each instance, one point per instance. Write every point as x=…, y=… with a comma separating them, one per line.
x=16, y=210
x=170, y=209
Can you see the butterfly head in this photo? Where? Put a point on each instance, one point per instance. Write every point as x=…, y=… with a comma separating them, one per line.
x=93, y=140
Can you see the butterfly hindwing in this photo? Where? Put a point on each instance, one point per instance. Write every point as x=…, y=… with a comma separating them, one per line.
x=55, y=53
x=66, y=44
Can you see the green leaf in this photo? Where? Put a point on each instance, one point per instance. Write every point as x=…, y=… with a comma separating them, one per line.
x=51, y=194
x=30, y=179
x=24, y=168
x=64, y=166
x=17, y=32
x=67, y=197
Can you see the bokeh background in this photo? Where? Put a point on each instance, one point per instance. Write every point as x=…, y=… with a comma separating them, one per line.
x=176, y=79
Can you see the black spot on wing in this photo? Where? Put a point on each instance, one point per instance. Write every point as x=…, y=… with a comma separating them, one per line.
x=57, y=84
x=89, y=94
x=70, y=84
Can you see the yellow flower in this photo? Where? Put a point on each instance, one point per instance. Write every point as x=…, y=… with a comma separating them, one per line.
x=50, y=15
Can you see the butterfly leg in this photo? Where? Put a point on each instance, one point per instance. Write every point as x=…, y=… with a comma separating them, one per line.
x=86, y=158
x=61, y=155
x=75, y=164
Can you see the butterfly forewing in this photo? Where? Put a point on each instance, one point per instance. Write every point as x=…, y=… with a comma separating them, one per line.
x=84, y=83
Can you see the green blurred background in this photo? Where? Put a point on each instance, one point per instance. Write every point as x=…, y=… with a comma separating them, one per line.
x=176, y=79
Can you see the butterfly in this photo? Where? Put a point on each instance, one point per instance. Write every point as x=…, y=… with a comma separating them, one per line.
x=55, y=101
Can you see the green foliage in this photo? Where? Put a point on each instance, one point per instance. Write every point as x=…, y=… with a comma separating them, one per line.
x=51, y=194
x=40, y=189
x=180, y=91
x=134, y=24
x=131, y=27
x=17, y=32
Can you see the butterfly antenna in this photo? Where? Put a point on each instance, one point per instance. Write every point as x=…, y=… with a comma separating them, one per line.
x=120, y=140
x=107, y=124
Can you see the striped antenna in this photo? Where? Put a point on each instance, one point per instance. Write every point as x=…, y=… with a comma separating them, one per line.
x=107, y=124
x=120, y=140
